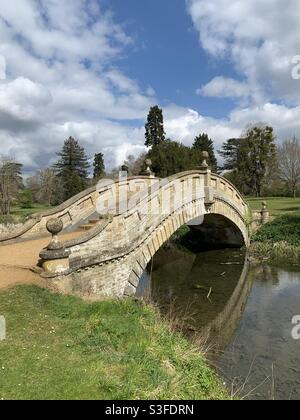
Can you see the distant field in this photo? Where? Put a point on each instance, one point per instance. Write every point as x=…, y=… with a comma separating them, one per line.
x=18, y=214
x=276, y=206
x=36, y=208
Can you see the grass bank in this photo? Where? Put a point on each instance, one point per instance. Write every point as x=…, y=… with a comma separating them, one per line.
x=60, y=347
x=278, y=240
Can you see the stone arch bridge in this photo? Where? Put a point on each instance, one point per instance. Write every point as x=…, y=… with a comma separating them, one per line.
x=101, y=257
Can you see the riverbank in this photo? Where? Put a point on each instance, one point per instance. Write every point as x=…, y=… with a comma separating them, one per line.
x=60, y=347
x=278, y=240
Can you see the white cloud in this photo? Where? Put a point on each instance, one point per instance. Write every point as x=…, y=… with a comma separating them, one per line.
x=259, y=37
x=23, y=100
x=185, y=124
x=61, y=79
x=2, y=68
x=224, y=87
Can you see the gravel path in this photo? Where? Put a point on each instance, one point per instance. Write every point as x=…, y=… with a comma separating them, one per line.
x=17, y=260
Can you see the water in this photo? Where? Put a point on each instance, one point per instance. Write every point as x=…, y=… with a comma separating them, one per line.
x=243, y=313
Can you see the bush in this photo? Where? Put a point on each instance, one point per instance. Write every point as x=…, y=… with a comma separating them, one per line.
x=283, y=229
x=25, y=199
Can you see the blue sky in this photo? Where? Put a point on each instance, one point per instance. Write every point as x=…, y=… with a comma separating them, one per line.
x=167, y=54
x=93, y=68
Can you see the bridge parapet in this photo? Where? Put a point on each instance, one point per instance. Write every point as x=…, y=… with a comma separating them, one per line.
x=77, y=208
x=110, y=262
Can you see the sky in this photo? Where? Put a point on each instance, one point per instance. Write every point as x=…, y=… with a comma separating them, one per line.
x=93, y=68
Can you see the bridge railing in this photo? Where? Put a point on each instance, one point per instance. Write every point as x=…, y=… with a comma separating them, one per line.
x=137, y=214
x=74, y=210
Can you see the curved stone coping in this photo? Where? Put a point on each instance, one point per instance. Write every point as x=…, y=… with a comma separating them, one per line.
x=16, y=233
x=119, y=254
x=139, y=197
x=224, y=199
x=89, y=234
x=37, y=217
x=123, y=252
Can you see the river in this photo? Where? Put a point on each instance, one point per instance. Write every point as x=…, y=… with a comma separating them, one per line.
x=241, y=313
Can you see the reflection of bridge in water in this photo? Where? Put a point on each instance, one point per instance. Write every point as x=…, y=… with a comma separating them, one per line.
x=206, y=293
x=106, y=256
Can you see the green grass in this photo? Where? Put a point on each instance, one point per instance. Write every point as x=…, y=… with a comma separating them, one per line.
x=276, y=206
x=60, y=347
x=19, y=214
x=25, y=212
x=278, y=240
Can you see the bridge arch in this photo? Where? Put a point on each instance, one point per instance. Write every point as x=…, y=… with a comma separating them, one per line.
x=109, y=262
x=221, y=216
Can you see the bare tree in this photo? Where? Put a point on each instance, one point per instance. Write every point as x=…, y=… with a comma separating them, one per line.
x=10, y=183
x=136, y=165
x=46, y=188
x=289, y=164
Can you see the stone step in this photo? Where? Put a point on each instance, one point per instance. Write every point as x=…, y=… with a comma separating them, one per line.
x=94, y=221
x=86, y=227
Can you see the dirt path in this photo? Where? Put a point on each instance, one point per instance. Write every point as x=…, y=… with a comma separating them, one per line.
x=17, y=260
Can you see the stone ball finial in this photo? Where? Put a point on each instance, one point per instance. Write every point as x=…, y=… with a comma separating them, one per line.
x=204, y=156
x=124, y=168
x=148, y=171
x=54, y=226
x=264, y=213
x=148, y=162
x=264, y=205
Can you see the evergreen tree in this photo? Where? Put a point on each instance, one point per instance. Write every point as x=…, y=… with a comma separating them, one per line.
x=72, y=168
x=99, y=167
x=229, y=153
x=155, y=133
x=250, y=158
x=203, y=143
x=170, y=157
x=257, y=156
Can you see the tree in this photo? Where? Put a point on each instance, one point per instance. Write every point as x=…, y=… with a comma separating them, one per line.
x=154, y=127
x=46, y=187
x=72, y=168
x=203, y=143
x=171, y=157
x=257, y=156
x=229, y=153
x=10, y=183
x=99, y=167
x=250, y=158
x=289, y=164
x=25, y=199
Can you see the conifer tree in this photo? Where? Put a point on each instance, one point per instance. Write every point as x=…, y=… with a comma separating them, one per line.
x=72, y=168
x=203, y=143
x=251, y=158
x=154, y=127
x=99, y=166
